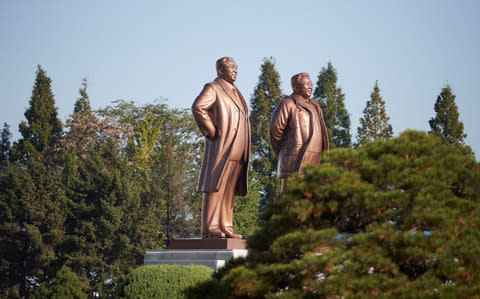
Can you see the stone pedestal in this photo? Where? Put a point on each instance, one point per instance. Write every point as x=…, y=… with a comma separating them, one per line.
x=212, y=253
x=208, y=244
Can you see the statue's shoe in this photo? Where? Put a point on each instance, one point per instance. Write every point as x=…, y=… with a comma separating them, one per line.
x=231, y=234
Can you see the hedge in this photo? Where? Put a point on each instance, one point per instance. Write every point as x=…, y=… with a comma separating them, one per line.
x=162, y=281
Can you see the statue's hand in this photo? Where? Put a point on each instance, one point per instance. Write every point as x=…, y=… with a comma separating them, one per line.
x=212, y=134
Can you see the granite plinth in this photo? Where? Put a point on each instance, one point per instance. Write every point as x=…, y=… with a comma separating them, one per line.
x=213, y=258
x=208, y=244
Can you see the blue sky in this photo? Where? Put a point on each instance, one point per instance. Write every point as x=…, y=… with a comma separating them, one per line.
x=147, y=50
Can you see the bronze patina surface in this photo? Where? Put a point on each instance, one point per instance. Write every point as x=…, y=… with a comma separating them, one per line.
x=297, y=130
x=221, y=114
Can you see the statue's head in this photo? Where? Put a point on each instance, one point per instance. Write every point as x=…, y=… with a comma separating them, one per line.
x=227, y=69
x=302, y=85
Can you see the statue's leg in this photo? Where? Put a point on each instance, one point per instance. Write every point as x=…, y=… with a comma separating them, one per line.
x=211, y=207
x=232, y=172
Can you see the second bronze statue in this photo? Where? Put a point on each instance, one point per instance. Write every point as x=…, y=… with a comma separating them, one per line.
x=221, y=114
x=297, y=130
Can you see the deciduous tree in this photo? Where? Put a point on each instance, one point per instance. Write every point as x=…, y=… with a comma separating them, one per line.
x=166, y=149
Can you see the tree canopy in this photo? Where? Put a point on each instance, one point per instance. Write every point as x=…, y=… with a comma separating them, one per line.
x=394, y=218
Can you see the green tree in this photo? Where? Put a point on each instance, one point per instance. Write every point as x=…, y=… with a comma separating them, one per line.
x=33, y=203
x=331, y=100
x=395, y=218
x=65, y=285
x=166, y=150
x=110, y=225
x=245, y=216
x=105, y=219
x=446, y=122
x=374, y=123
x=267, y=95
x=177, y=159
x=82, y=105
x=42, y=128
x=5, y=145
x=32, y=214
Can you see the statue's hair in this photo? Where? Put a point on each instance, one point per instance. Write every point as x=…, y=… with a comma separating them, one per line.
x=297, y=78
x=221, y=63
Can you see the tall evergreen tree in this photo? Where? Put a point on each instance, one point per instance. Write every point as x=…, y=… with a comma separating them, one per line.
x=32, y=200
x=266, y=96
x=82, y=105
x=42, y=128
x=331, y=100
x=5, y=144
x=374, y=123
x=446, y=122
x=32, y=213
x=105, y=213
x=109, y=224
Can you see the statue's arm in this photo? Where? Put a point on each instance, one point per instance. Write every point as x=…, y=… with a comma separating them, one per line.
x=278, y=125
x=200, y=110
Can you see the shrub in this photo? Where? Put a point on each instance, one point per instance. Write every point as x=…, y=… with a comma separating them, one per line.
x=162, y=281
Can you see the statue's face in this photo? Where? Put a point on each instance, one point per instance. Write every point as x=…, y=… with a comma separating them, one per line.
x=229, y=71
x=304, y=88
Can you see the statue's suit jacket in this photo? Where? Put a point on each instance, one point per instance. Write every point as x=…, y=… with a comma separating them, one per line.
x=217, y=112
x=288, y=134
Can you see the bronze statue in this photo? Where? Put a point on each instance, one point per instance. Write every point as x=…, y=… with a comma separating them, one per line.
x=221, y=114
x=297, y=130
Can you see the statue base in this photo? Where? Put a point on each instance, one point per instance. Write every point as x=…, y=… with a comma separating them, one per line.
x=208, y=244
x=212, y=253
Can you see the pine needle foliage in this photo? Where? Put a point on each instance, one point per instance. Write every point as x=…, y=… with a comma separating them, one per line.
x=374, y=123
x=331, y=100
x=32, y=214
x=5, y=144
x=446, y=122
x=42, y=128
x=82, y=105
x=392, y=219
x=266, y=96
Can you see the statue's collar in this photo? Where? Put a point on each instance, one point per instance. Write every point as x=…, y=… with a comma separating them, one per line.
x=301, y=101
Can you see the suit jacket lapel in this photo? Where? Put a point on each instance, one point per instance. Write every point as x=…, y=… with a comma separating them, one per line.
x=229, y=91
x=244, y=103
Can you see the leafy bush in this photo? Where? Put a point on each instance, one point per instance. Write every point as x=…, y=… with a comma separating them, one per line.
x=65, y=285
x=395, y=219
x=162, y=281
